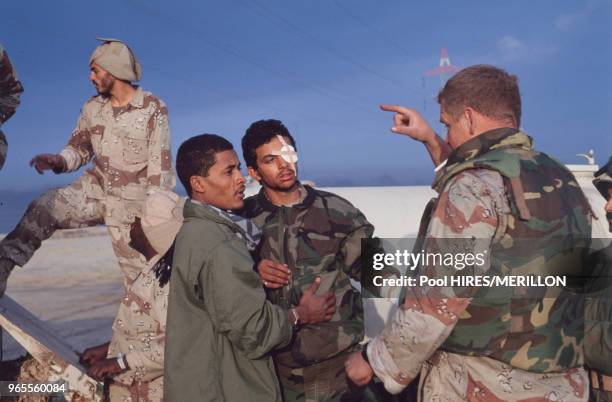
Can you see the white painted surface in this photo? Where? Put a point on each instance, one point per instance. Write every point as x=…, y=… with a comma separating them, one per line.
x=74, y=282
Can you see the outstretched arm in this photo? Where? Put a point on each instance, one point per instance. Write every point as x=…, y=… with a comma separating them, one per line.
x=77, y=152
x=410, y=123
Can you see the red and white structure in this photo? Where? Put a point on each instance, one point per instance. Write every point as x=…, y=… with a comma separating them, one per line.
x=445, y=69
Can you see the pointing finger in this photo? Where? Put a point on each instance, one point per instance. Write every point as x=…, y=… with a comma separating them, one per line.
x=396, y=109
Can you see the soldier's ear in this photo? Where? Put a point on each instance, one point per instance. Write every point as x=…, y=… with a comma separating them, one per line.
x=254, y=173
x=197, y=184
x=468, y=121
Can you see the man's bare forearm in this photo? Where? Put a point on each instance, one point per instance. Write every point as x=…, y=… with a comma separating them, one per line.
x=438, y=149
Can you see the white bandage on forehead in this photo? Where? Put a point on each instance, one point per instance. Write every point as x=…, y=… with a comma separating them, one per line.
x=287, y=152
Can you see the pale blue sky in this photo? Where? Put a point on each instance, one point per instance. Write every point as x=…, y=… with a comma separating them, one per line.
x=321, y=67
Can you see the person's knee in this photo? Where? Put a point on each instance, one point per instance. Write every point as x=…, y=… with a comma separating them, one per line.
x=44, y=207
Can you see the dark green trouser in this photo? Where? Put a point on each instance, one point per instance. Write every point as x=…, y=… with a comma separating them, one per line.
x=322, y=382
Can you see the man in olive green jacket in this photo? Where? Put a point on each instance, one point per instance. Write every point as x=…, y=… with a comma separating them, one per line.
x=220, y=328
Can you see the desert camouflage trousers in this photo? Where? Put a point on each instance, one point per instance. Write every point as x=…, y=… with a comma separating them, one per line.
x=322, y=382
x=152, y=391
x=80, y=204
x=449, y=377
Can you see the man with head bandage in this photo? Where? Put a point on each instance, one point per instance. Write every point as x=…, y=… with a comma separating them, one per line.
x=306, y=233
x=124, y=132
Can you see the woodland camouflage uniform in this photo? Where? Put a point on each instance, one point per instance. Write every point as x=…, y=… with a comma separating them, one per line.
x=10, y=91
x=318, y=236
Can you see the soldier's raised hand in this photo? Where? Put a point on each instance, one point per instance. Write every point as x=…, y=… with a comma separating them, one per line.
x=273, y=275
x=44, y=162
x=409, y=122
x=313, y=308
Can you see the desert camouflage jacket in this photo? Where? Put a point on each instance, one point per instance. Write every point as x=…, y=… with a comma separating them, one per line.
x=130, y=149
x=319, y=236
x=10, y=87
x=486, y=197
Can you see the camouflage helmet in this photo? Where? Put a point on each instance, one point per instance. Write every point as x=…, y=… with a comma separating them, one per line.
x=603, y=179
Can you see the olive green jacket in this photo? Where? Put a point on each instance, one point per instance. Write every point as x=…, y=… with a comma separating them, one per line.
x=220, y=328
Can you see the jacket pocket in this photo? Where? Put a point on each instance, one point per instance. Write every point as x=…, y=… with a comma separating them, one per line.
x=135, y=147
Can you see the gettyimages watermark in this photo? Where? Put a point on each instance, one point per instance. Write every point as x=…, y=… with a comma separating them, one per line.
x=481, y=268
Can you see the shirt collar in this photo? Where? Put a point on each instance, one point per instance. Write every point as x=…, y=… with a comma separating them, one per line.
x=137, y=101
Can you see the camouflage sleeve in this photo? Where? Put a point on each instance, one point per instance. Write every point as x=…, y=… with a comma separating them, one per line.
x=79, y=150
x=470, y=207
x=159, y=166
x=350, y=248
x=10, y=87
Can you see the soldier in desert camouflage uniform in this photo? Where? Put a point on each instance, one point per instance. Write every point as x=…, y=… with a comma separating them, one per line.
x=10, y=91
x=124, y=131
x=598, y=309
x=306, y=233
x=136, y=351
x=495, y=192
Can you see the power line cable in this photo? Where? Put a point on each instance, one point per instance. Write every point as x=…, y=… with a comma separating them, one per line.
x=223, y=95
x=324, y=45
x=373, y=28
x=201, y=37
x=386, y=38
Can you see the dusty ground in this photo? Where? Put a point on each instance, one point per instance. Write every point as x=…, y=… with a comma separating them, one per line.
x=74, y=283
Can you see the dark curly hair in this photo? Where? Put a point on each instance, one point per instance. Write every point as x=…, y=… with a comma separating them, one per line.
x=196, y=156
x=260, y=133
